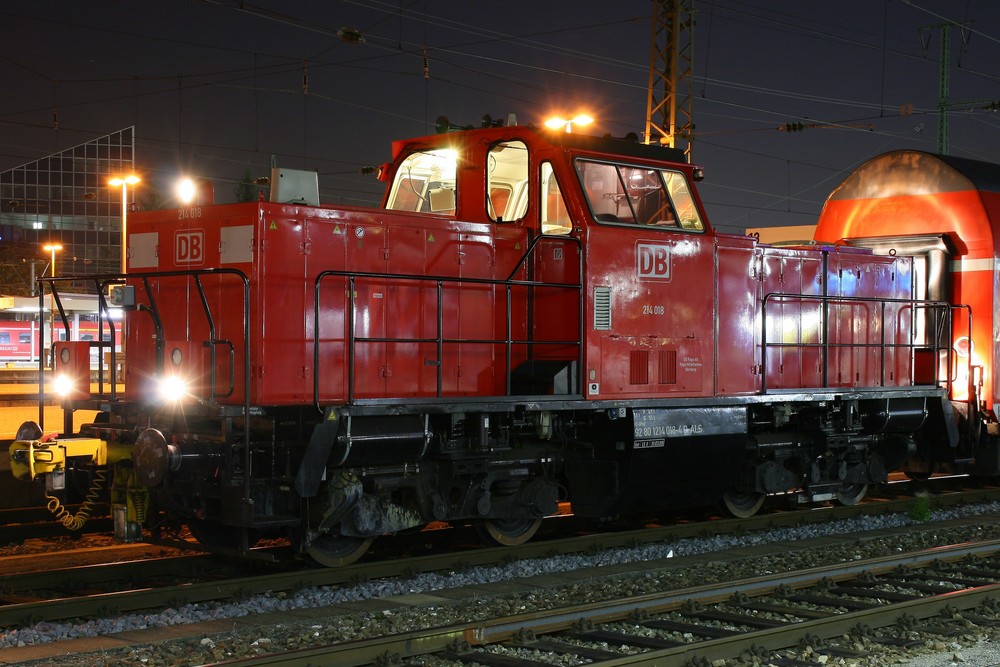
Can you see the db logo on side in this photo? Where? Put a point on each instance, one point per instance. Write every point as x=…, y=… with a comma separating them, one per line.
x=652, y=261
x=189, y=247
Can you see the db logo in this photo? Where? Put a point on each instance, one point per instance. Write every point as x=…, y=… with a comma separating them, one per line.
x=652, y=261
x=189, y=247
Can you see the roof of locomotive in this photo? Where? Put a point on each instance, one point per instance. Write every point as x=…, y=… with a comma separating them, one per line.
x=606, y=144
x=910, y=172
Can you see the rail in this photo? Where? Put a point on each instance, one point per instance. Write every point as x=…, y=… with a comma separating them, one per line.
x=886, y=307
x=439, y=340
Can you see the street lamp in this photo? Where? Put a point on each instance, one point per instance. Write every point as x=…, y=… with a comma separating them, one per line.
x=556, y=123
x=123, y=182
x=52, y=248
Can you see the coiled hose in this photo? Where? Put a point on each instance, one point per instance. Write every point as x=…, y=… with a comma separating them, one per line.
x=76, y=521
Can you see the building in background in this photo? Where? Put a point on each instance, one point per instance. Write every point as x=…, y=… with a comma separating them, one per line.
x=65, y=198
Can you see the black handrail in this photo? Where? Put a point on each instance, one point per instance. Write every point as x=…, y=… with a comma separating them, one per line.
x=824, y=343
x=352, y=277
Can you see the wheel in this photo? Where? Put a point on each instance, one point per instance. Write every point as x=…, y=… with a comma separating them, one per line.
x=850, y=494
x=337, y=550
x=742, y=504
x=220, y=536
x=507, y=532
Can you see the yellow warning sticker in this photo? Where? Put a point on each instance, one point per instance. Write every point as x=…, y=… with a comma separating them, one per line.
x=430, y=238
x=274, y=225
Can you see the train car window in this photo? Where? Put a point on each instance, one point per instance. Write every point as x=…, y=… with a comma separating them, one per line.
x=687, y=213
x=638, y=195
x=4, y=336
x=507, y=181
x=555, y=217
x=425, y=183
x=24, y=337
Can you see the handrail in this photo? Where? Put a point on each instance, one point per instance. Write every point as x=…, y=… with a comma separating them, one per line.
x=823, y=341
x=509, y=284
x=102, y=280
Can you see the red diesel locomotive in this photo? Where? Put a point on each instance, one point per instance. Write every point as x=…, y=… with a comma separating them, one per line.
x=530, y=317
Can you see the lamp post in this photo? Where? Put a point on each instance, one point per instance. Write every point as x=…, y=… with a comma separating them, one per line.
x=52, y=248
x=556, y=123
x=123, y=182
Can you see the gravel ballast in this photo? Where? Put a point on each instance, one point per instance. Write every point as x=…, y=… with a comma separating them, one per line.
x=649, y=575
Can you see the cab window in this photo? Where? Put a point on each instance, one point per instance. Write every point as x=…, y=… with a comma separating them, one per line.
x=507, y=181
x=555, y=217
x=638, y=195
x=425, y=183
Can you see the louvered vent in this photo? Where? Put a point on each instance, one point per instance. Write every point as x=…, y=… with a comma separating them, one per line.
x=639, y=367
x=668, y=366
x=602, y=309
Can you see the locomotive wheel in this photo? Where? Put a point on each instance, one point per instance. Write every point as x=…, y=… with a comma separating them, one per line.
x=742, y=504
x=507, y=532
x=337, y=550
x=850, y=494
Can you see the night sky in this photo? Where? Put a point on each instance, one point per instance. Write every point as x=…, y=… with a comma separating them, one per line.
x=216, y=87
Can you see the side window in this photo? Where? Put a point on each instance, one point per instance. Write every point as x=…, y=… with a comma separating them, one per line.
x=687, y=212
x=507, y=181
x=23, y=337
x=4, y=336
x=425, y=183
x=555, y=217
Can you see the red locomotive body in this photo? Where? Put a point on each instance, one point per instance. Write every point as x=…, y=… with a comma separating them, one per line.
x=528, y=318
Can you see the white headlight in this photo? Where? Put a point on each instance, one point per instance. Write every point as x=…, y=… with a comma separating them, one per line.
x=172, y=388
x=62, y=385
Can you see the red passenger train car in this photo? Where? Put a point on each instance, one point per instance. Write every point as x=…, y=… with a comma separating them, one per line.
x=944, y=212
x=529, y=317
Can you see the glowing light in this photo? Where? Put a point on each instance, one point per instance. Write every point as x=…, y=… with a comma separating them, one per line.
x=123, y=182
x=186, y=190
x=556, y=123
x=963, y=346
x=172, y=388
x=62, y=385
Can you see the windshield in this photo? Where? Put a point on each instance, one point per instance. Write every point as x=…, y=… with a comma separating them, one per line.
x=634, y=195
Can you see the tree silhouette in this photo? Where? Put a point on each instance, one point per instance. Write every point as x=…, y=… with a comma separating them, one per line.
x=246, y=190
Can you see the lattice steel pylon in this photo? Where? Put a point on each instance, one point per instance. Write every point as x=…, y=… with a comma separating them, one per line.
x=669, y=113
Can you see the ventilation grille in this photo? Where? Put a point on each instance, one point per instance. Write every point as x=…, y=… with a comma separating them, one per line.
x=668, y=367
x=639, y=367
x=602, y=309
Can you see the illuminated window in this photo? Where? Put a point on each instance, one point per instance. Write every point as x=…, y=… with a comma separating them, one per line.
x=425, y=183
x=507, y=181
x=555, y=217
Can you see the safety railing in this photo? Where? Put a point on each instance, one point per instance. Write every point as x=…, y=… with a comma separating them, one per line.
x=102, y=283
x=825, y=311
x=438, y=284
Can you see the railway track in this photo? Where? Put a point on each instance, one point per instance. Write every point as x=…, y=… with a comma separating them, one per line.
x=100, y=595
x=148, y=580
x=846, y=610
